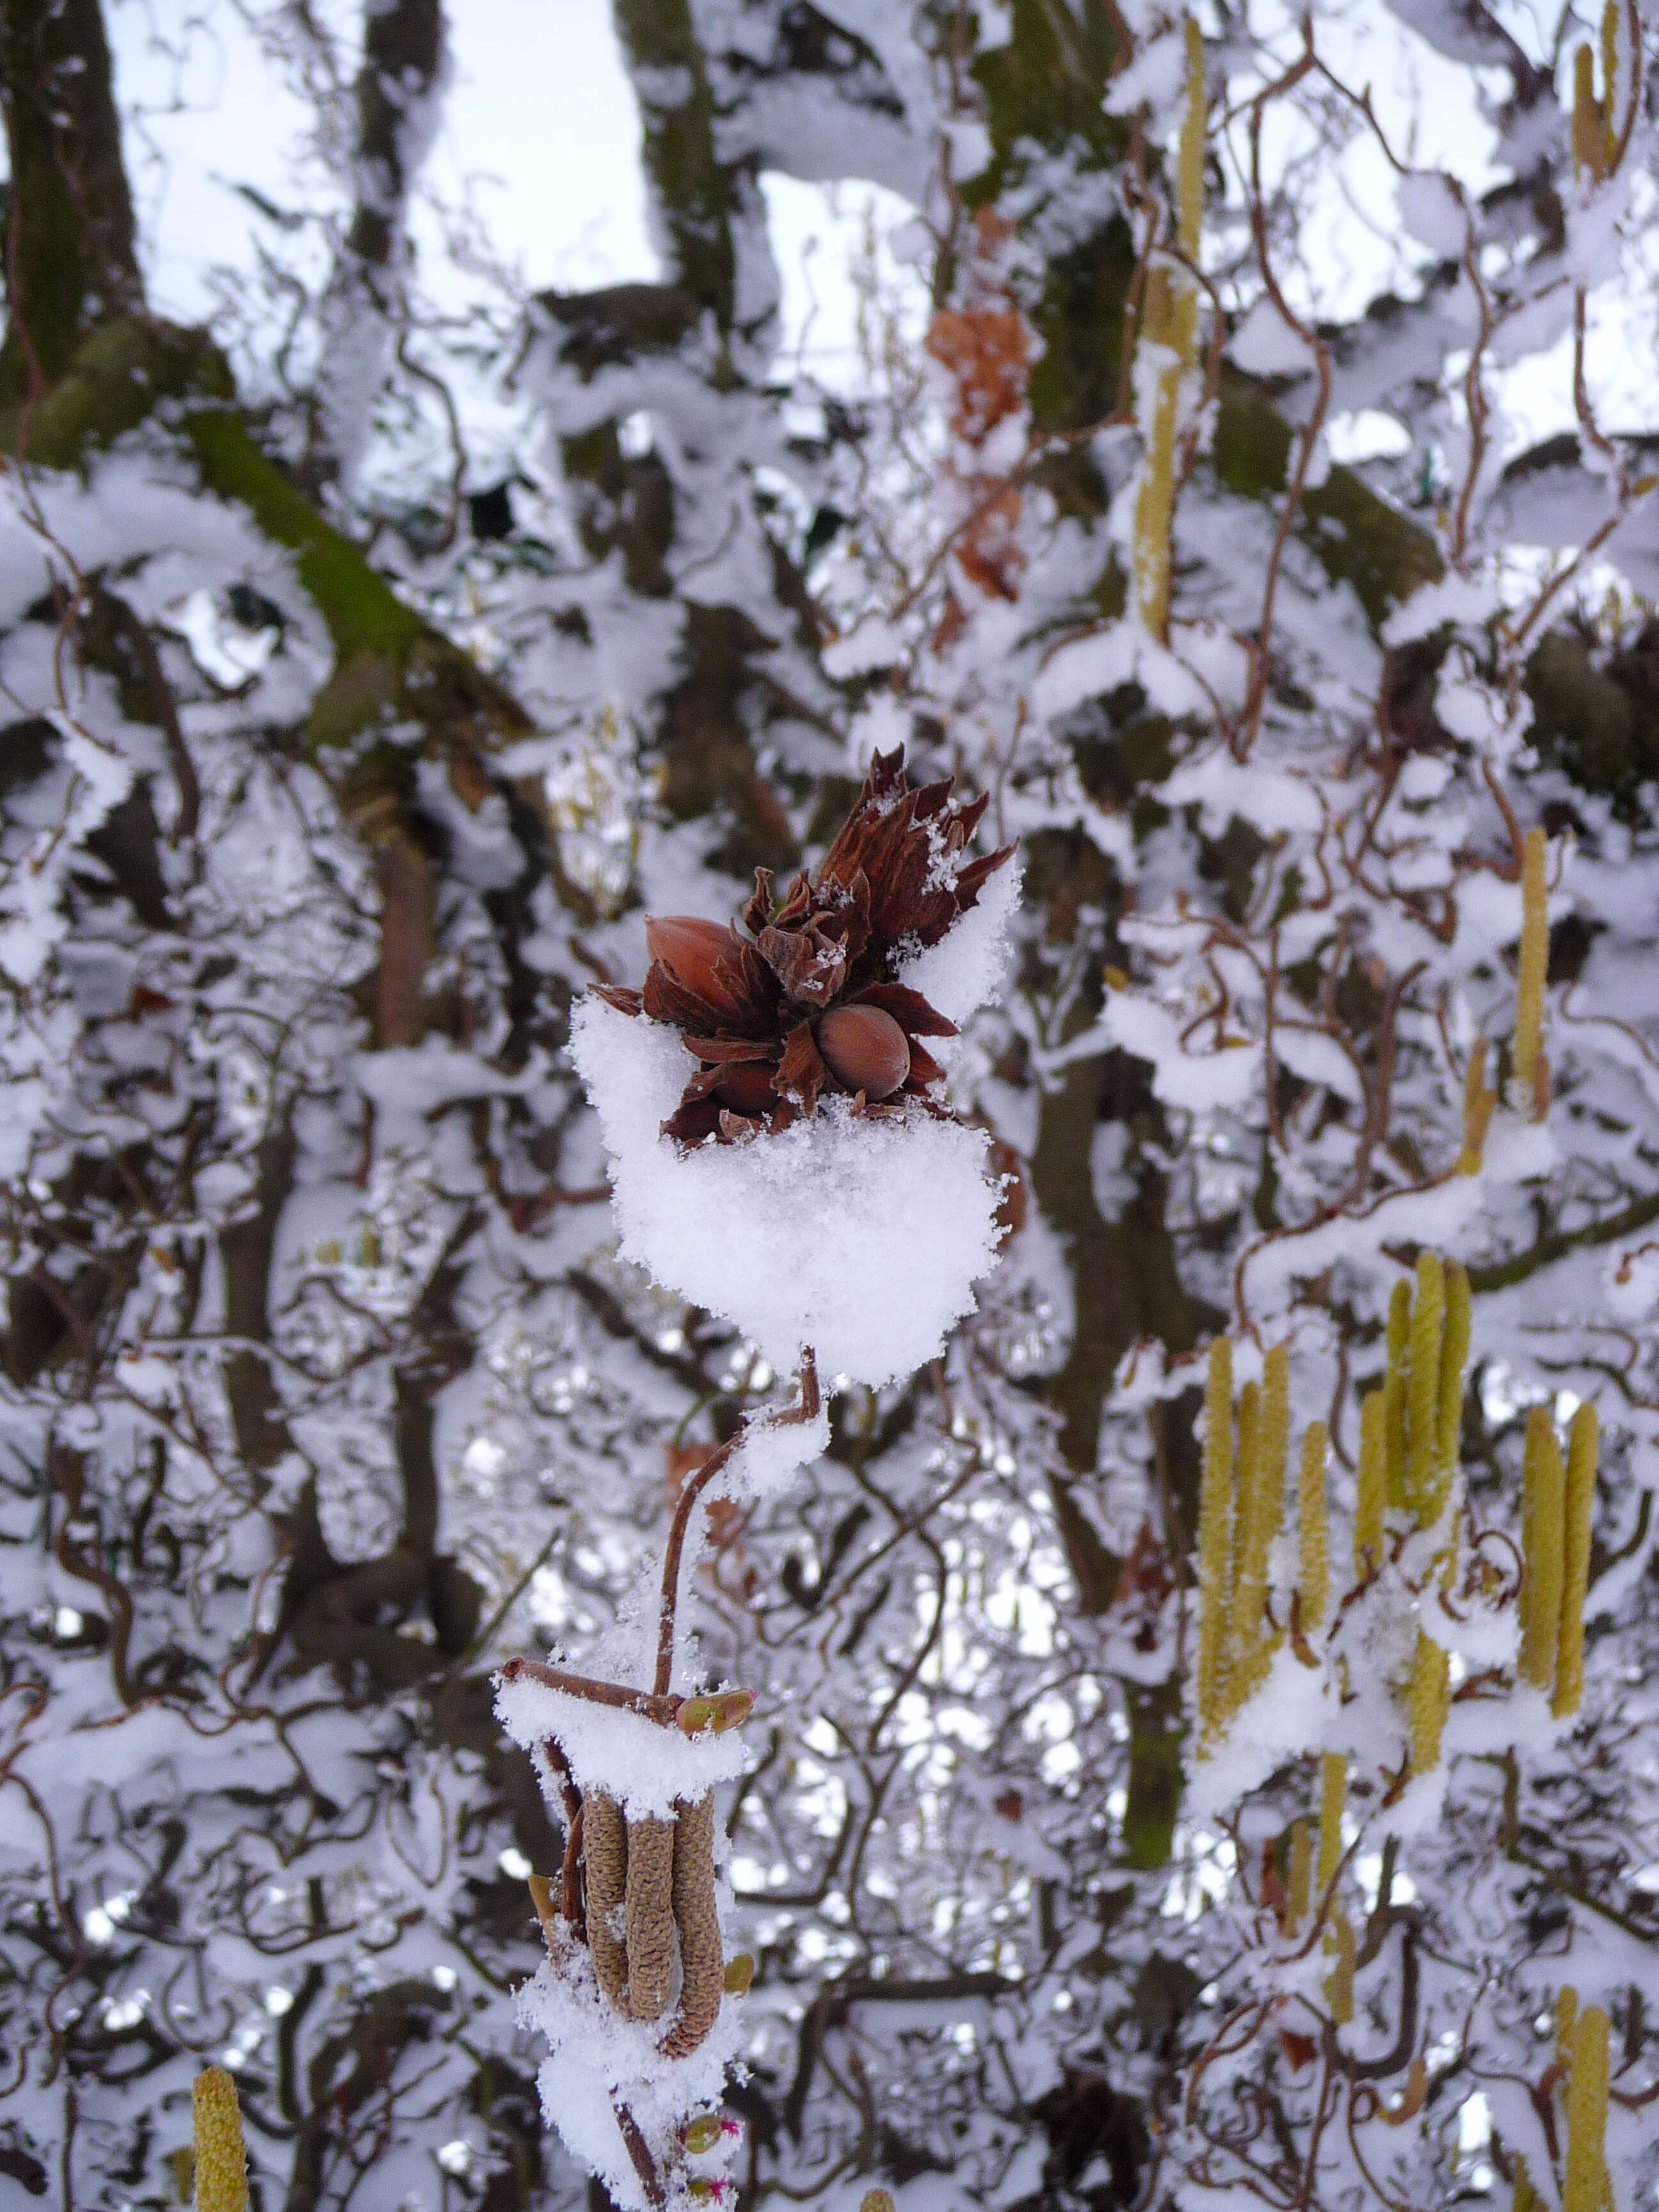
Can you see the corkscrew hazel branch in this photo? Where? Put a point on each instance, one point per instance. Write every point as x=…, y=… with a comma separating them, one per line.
x=808, y=1410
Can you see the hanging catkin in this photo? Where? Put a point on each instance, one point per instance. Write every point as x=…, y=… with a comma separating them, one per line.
x=1454, y=1364
x=1313, y=1530
x=221, y=2154
x=1543, y=1496
x=1423, y=1387
x=1532, y=966
x=605, y=1857
x=1333, y=1792
x=1373, y=1484
x=1394, y=1388
x=650, y=1915
x=703, y=1967
x=1300, y=1876
x=1247, y=1484
x=1585, y=2188
x=1215, y=1515
x=1427, y=1701
x=1582, y=1443
x=1267, y=1503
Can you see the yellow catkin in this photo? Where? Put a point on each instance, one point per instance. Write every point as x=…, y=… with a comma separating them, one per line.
x=1566, y=2021
x=1582, y=1446
x=1525, y=2197
x=1169, y=325
x=1373, y=1483
x=1393, y=1388
x=221, y=2153
x=1589, y=134
x=1246, y=1482
x=1338, y=1983
x=1333, y=1794
x=1215, y=1517
x=1271, y=1420
x=1478, y=1104
x=1453, y=1366
x=1423, y=1387
x=1584, y=2187
x=1428, y=1698
x=1301, y=1876
x=1534, y=959
x=1246, y=1587
x=1313, y=1530
x=1543, y=1499
x=1191, y=143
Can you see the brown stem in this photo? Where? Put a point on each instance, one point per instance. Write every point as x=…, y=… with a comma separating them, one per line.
x=652, y=1707
x=797, y=1416
x=639, y=2152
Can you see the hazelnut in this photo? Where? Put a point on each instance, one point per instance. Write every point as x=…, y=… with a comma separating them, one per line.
x=703, y=956
x=865, y=1049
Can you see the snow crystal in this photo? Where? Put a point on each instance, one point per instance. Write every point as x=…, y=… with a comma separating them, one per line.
x=963, y=969
x=859, y=1237
x=769, y=1454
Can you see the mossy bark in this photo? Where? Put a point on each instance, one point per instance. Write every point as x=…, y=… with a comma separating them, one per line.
x=71, y=258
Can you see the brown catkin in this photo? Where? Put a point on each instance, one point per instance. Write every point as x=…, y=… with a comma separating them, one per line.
x=1582, y=1444
x=1338, y=1983
x=1543, y=1498
x=1313, y=1530
x=1590, y=130
x=1584, y=2186
x=702, y=1966
x=605, y=1859
x=650, y=1915
x=221, y=2154
x=1373, y=1484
